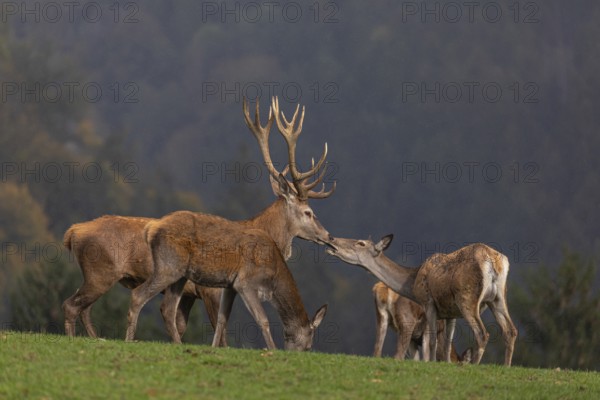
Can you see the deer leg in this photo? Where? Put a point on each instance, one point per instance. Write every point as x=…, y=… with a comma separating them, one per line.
x=183, y=313
x=83, y=298
x=225, y=305
x=414, y=352
x=449, y=335
x=86, y=318
x=143, y=293
x=169, y=308
x=509, y=332
x=382, y=325
x=481, y=335
x=252, y=302
x=212, y=300
x=405, y=332
x=430, y=334
x=402, y=345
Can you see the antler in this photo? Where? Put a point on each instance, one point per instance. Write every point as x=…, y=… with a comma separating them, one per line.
x=261, y=133
x=290, y=132
x=321, y=194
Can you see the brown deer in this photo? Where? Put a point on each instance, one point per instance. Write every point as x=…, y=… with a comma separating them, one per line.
x=113, y=249
x=193, y=245
x=409, y=323
x=448, y=286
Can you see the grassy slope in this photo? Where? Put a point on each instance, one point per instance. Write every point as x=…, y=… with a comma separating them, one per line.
x=55, y=367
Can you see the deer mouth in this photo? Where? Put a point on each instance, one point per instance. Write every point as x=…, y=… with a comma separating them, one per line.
x=331, y=249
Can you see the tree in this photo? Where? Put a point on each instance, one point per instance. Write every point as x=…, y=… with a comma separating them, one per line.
x=23, y=230
x=37, y=296
x=558, y=310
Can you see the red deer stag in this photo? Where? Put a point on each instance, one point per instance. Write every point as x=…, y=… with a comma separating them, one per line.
x=212, y=251
x=449, y=286
x=112, y=249
x=409, y=323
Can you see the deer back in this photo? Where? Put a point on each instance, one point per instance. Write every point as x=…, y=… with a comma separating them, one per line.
x=114, y=247
x=470, y=272
x=211, y=250
x=113, y=244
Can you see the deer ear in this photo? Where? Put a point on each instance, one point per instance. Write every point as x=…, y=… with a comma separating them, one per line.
x=319, y=315
x=384, y=243
x=275, y=186
x=281, y=186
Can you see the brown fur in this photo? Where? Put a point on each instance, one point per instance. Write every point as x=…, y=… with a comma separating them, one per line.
x=448, y=286
x=463, y=284
x=112, y=249
x=213, y=251
x=408, y=321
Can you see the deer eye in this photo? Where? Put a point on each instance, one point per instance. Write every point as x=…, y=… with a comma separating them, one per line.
x=361, y=244
x=308, y=213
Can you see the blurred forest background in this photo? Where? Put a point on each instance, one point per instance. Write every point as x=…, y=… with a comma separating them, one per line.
x=446, y=125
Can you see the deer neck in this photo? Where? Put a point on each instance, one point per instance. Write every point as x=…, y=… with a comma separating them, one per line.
x=399, y=278
x=275, y=222
x=288, y=303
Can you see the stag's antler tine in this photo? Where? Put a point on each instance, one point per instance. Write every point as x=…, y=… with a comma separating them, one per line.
x=246, y=113
x=257, y=113
x=290, y=130
x=275, y=107
x=299, y=129
x=269, y=122
x=310, y=186
x=286, y=129
x=261, y=133
x=292, y=122
x=313, y=170
x=321, y=194
x=317, y=180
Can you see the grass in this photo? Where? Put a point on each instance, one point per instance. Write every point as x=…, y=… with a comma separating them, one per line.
x=41, y=366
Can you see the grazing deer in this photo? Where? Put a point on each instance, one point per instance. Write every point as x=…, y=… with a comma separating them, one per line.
x=448, y=286
x=196, y=246
x=113, y=249
x=409, y=323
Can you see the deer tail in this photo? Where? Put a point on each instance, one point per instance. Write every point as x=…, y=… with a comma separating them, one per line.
x=68, y=238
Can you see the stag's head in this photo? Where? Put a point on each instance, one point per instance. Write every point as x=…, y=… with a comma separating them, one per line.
x=358, y=252
x=301, y=338
x=301, y=219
